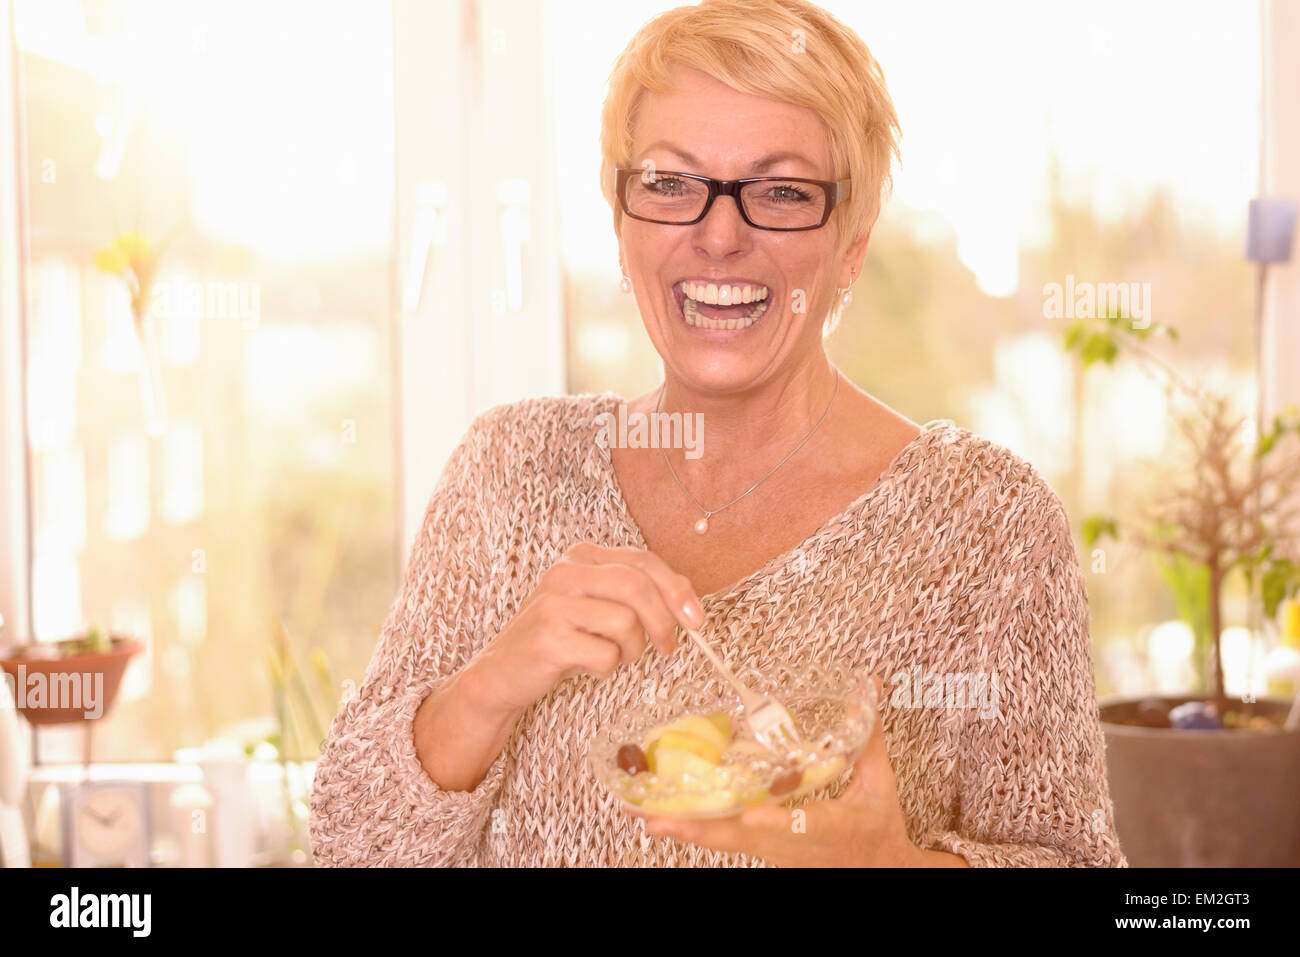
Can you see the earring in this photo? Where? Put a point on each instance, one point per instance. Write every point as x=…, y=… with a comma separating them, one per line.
x=848, y=293
x=625, y=283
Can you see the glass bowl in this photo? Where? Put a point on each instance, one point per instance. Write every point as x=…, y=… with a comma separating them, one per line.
x=833, y=706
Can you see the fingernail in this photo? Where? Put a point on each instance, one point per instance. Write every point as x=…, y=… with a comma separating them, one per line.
x=694, y=613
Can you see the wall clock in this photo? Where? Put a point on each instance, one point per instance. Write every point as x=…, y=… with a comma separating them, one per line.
x=107, y=824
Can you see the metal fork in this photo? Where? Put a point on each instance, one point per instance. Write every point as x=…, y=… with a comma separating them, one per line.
x=770, y=720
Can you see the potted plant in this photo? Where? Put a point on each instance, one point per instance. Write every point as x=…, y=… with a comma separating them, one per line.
x=75, y=679
x=1202, y=779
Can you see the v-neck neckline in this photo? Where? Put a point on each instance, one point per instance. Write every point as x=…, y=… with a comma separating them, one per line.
x=624, y=512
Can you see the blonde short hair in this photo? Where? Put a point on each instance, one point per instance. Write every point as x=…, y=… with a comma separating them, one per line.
x=785, y=50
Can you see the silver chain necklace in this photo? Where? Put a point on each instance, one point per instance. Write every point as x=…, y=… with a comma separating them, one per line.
x=702, y=525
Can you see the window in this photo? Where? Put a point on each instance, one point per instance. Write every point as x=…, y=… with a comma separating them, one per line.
x=328, y=245
x=229, y=132
x=337, y=234
x=1068, y=139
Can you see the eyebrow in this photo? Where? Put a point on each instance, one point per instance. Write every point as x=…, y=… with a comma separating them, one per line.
x=761, y=166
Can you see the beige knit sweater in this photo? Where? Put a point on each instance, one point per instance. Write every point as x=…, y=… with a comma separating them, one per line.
x=957, y=561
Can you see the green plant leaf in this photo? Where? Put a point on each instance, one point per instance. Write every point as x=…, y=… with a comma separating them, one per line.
x=1096, y=527
x=1099, y=347
x=1281, y=577
x=1189, y=580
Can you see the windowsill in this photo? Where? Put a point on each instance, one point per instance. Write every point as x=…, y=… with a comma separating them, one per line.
x=160, y=772
x=266, y=800
x=168, y=772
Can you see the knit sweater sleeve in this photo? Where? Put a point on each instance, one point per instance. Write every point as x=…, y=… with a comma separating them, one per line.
x=372, y=803
x=1033, y=787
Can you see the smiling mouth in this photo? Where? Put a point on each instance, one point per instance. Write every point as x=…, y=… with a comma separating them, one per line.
x=709, y=306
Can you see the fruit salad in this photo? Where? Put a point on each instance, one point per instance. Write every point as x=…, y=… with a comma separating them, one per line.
x=694, y=767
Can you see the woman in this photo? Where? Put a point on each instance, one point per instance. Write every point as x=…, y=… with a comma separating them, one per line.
x=814, y=522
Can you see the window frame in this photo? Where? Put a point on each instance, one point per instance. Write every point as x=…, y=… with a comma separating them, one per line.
x=492, y=299
x=494, y=330
x=15, y=498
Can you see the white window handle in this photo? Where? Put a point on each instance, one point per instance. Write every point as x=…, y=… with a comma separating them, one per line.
x=514, y=195
x=428, y=228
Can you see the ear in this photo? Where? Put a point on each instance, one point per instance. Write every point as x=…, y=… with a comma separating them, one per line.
x=854, y=256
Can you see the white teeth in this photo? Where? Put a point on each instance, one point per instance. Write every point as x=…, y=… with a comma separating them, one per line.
x=693, y=317
x=724, y=295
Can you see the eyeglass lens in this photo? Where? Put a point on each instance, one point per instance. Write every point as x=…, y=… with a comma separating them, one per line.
x=772, y=203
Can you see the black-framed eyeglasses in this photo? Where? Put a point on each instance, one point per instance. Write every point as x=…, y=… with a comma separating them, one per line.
x=765, y=202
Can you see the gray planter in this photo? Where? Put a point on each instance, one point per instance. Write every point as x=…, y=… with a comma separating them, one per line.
x=1203, y=798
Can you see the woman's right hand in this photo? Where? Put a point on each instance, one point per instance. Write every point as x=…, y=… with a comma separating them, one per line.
x=592, y=611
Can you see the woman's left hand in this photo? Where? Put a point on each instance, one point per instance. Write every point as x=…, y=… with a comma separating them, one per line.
x=863, y=827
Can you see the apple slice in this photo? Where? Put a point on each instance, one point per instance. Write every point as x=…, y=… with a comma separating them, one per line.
x=676, y=804
x=705, y=748
x=651, y=749
x=676, y=763
x=695, y=724
x=705, y=728
x=820, y=774
x=722, y=721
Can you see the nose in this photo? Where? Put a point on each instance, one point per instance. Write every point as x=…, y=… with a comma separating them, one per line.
x=723, y=231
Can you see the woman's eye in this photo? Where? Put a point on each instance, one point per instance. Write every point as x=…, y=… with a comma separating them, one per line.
x=788, y=194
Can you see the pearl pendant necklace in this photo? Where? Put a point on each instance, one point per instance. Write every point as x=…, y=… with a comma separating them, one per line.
x=702, y=525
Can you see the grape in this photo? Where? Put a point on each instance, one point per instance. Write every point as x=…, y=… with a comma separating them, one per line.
x=632, y=759
x=786, y=782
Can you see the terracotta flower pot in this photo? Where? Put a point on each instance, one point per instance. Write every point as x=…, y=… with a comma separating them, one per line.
x=1203, y=798
x=80, y=687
